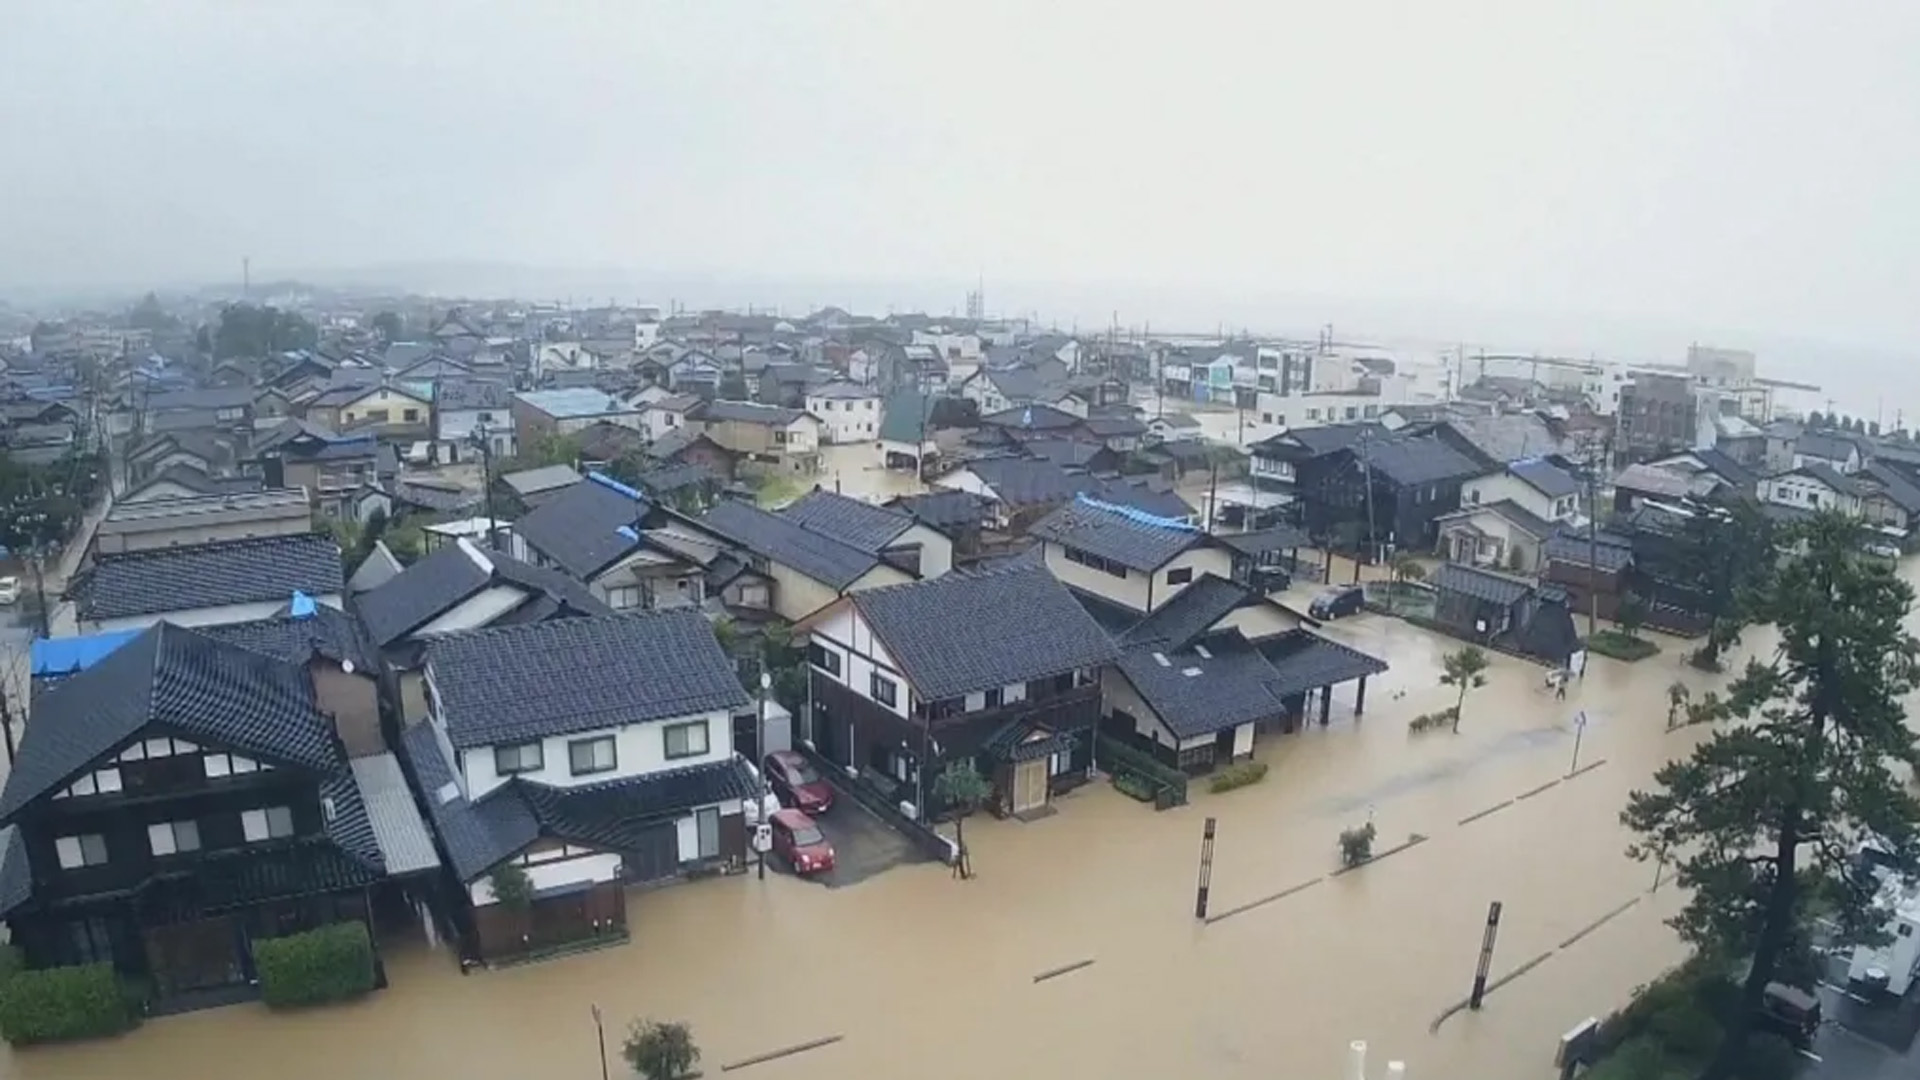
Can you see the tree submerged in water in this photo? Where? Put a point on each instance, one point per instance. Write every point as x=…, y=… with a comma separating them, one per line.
x=660, y=1049
x=1766, y=815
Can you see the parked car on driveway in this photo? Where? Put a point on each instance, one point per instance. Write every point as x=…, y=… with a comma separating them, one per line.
x=9, y=590
x=797, y=783
x=1337, y=601
x=799, y=841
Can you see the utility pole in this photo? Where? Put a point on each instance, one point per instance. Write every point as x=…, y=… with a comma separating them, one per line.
x=481, y=436
x=1366, y=472
x=1593, y=538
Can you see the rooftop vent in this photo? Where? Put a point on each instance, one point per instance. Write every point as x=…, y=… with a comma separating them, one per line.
x=1192, y=672
x=447, y=792
x=1161, y=659
x=1202, y=650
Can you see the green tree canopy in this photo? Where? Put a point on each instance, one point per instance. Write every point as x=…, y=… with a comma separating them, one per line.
x=388, y=325
x=1764, y=817
x=249, y=330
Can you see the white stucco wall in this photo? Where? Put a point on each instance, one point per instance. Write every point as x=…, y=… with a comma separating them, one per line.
x=639, y=749
x=846, y=635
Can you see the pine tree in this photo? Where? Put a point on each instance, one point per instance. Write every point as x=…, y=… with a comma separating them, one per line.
x=1766, y=815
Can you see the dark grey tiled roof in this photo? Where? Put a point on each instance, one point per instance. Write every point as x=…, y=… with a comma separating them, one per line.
x=434, y=498
x=1303, y=660
x=1067, y=453
x=475, y=836
x=579, y=529
x=1110, y=427
x=1196, y=695
x=1524, y=519
x=544, y=478
x=1545, y=477
x=1032, y=418
x=1609, y=551
x=966, y=632
x=1897, y=487
x=296, y=638
x=1190, y=614
x=196, y=481
x=1322, y=440
x=1828, y=476
x=1816, y=444
x=210, y=575
x=668, y=479
x=1724, y=466
x=1142, y=494
x=1112, y=533
x=1419, y=459
x=751, y=412
x=773, y=537
x=857, y=524
x=514, y=683
x=1273, y=538
x=229, y=696
x=16, y=872
x=944, y=510
x=1480, y=584
x=1116, y=619
x=1019, y=481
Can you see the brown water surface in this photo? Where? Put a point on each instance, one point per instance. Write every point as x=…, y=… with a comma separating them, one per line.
x=930, y=977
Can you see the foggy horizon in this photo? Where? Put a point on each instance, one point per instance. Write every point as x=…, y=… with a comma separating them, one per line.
x=1625, y=179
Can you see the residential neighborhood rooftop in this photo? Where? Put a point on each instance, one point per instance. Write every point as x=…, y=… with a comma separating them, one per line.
x=1130, y=538
x=209, y=575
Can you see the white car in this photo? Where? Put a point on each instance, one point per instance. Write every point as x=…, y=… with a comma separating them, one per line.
x=1884, y=551
x=9, y=590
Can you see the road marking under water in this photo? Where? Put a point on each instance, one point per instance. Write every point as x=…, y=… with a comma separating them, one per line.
x=1488, y=812
x=1262, y=901
x=1532, y=791
x=1585, y=769
x=1460, y=1006
x=1067, y=969
x=783, y=1052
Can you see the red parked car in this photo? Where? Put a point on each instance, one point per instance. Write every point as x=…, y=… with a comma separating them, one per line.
x=799, y=841
x=797, y=783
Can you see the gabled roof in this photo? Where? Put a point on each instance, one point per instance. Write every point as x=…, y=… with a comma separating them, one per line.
x=747, y=412
x=771, y=536
x=843, y=391
x=1825, y=475
x=184, y=578
x=1035, y=417
x=200, y=688
x=1190, y=614
x=1898, y=488
x=1480, y=584
x=467, y=394
x=451, y=575
x=1129, y=537
x=855, y=523
x=194, y=480
x=587, y=527
x=1516, y=515
x=1417, y=459
x=1724, y=466
x=296, y=639
x=1545, y=477
x=944, y=510
x=974, y=631
x=1316, y=441
x=1281, y=537
x=1817, y=444
x=1144, y=494
x=1197, y=694
x=544, y=478
x=515, y=683
x=1020, y=482
x=575, y=402
x=1605, y=550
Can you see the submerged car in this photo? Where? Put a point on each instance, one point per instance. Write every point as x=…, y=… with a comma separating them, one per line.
x=1337, y=601
x=797, y=783
x=799, y=841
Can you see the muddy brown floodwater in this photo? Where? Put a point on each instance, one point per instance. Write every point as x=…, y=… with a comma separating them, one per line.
x=926, y=976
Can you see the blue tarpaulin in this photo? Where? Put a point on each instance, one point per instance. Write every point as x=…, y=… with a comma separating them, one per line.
x=302, y=605
x=66, y=655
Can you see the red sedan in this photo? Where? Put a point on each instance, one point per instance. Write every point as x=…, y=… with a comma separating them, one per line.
x=798, y=784
x=799, y=841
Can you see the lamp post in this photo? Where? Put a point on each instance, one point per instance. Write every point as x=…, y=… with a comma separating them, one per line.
x=600, y=1030
x=763, y=830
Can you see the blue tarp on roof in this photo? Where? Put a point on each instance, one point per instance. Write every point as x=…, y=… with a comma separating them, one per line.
x=64, y=656
x=302, y=605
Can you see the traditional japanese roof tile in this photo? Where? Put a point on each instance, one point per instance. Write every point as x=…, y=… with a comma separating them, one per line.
x=228, y=572
x=451, y=575
x=858, y=524
x=771, y=536
x=1480, y=584
x=585, y=528
x=1130, y=538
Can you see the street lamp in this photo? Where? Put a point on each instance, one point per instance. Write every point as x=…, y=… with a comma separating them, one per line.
x=763, y=829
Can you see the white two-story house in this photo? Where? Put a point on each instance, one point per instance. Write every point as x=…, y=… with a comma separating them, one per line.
x=1506, y=517
x=848, y=412
x=1813, y=488
x=586, y=754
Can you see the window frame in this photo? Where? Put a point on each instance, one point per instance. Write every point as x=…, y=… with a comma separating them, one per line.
x=519, y=749
x=666, y=740
x=83, y=851
x=172, y=830
x=575, y=746
x=891, y=699
x=1185, y=578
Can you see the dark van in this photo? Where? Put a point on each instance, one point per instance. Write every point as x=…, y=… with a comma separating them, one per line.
x=1336, y=602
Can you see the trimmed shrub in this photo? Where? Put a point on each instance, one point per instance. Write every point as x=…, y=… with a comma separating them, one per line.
x=1117, y=757
x=1239, y=774
x=332, y=963
x=1133, y=785
x=1433, y=721
x=11, y=962
x=1356, y=844
x=1619, y=646
x=55, y=1004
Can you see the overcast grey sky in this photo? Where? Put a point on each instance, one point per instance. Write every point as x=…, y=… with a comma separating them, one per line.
x=1733, y=163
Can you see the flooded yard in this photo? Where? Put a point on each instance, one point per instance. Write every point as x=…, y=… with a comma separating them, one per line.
x=921, y=974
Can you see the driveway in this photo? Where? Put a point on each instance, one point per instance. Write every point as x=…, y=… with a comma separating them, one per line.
x=863, y=844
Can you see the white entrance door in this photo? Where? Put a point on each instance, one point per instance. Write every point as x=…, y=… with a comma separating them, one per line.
x=1029, y=785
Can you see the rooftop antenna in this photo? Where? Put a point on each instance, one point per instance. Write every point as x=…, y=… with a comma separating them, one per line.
x=246, y=276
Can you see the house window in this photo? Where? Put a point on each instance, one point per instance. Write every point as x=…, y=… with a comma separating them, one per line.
x=779, y=438
x=87, y=849
x=485, y=418
x=824, y=658
x=994, y=698
x=376, y=415
x=518, y=758
x=410, y=415
x=884, y=691
x=588, y=756
x=707, y=825
x=1180, y=576
x=686, y=740
x=1107, y=566
x=173, y=837
x=268, y=823
x=621, y=597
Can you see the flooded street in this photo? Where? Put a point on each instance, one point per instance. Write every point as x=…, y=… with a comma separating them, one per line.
x=917, y=971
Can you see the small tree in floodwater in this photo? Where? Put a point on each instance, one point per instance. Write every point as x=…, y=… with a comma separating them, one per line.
x=1677, y=696
x=660, y=1049
x=961, y=787
x=1466, y=669
x=1765, y=816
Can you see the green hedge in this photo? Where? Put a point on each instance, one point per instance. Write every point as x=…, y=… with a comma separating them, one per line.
x=1116, y=756
x=332, y=963
x=1613, y=643
x=60, y=1003
x=1239, y=774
